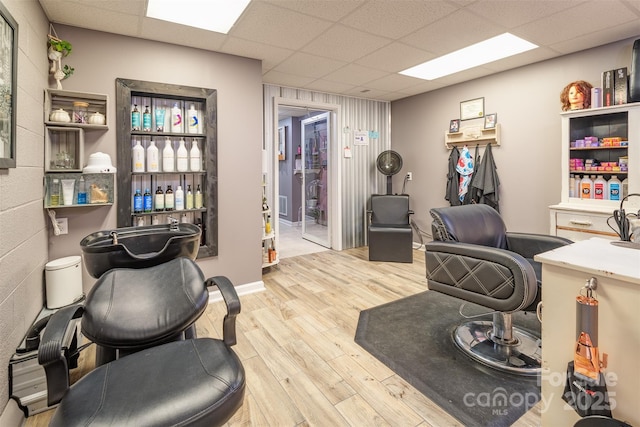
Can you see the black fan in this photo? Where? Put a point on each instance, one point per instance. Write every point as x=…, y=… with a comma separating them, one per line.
x=389, y=163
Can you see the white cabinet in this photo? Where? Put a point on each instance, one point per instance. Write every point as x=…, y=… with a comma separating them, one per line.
x=617, y=130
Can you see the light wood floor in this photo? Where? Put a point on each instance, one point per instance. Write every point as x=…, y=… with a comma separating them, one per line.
x=296, y=341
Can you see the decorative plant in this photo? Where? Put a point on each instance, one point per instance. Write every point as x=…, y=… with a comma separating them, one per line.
x=64, y=48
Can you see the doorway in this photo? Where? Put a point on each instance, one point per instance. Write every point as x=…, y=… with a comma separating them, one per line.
x=305, y=178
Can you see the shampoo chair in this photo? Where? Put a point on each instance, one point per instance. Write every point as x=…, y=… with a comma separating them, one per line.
x=163, y=375
x=389, y=231
x=475, y=259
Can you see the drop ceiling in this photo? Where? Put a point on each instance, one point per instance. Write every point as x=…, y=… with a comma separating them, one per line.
x=357, y=47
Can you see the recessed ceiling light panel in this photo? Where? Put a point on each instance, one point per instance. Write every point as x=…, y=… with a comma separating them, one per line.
x=484, y=52
x=211, y=15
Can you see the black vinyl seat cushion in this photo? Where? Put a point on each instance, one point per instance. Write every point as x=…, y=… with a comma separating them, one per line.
x=138, y=308
x=198, y=382
x=389, y=231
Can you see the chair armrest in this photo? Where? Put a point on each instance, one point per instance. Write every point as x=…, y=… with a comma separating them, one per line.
x=496, y=278
x=232, y=301
x=528, y=244
x=53, y=356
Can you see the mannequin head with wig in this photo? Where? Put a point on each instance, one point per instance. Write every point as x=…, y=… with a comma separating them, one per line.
x=576, y=96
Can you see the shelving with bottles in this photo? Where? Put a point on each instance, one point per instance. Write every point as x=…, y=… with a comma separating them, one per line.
x=167, y=166
x=68, y=115
x=597, y=142
x=269, y=252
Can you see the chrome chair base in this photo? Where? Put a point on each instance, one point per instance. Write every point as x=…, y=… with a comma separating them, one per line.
x=521, y=354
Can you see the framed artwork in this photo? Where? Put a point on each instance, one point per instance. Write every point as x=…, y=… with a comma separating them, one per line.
x=282, y=143
x=472, y=109
x=8, y=85
x=490, y=121
x=454, y=126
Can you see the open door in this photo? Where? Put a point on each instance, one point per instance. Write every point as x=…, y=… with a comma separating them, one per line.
x=316, y=218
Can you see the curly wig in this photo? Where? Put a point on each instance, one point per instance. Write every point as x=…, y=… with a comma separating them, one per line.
x=583, y=87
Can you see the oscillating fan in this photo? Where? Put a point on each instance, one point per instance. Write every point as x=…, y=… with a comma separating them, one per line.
x=389, y=163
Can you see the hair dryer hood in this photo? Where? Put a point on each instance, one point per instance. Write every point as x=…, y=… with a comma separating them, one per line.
x=389, y=162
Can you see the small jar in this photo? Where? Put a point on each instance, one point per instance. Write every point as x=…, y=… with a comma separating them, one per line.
x=80, y=111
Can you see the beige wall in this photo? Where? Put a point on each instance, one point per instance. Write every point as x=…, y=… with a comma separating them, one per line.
x=527, y=103
x=99, y=58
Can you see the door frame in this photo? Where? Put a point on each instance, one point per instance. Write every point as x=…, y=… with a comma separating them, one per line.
x=335, y=171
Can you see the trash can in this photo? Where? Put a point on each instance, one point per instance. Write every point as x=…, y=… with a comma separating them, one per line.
x=63, y=280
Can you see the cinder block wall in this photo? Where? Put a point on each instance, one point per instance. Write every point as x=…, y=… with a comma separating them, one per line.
x=23, y=230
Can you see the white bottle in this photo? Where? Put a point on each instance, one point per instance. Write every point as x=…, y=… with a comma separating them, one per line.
x=614, y=188
x=176, y=119
x=577, y=186
x=198, y=202
x=152, y=157
x=167, y=157
x=586, y=188
x=179, y=199
x=572, y=186
x=195, y=157
x=137, y=157
x=182, y=155
x=625, y=187
x=193, y=123
x=600, y=189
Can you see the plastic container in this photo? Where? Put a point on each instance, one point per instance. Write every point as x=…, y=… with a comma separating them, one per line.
x=193, y=123
x=614, y=188
x=63, y=281
x=153, y=160
x=182, y=157
x=137, y=157
x=586, y=188
x=168, y=158
x=80, y=112
x=195, y=157
x=176, y=119
x=600, y=189
x=179, y=198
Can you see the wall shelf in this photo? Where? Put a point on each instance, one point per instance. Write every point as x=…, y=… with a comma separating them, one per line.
x=472, y=136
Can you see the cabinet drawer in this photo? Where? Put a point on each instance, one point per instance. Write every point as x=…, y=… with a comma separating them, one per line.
x=591, y=225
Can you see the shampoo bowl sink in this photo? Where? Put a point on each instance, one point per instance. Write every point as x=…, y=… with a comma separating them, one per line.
x=139, y=247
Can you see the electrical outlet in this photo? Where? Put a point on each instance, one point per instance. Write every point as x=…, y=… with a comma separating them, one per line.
x=409, y=176
x=63, y=224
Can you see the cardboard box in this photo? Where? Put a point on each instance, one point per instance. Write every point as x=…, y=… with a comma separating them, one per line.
x=620, y=86
x=607, y=88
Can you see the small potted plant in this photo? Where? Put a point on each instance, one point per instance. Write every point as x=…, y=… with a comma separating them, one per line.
x=59, y=49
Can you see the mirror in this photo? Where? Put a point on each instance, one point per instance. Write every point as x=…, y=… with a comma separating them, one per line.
x=8, y=86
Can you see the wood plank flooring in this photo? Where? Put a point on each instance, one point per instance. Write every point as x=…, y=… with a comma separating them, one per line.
x=296, y=341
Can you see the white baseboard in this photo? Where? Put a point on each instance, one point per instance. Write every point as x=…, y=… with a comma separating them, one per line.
x=246, y=289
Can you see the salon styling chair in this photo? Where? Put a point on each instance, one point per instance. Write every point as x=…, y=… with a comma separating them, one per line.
x=389, y=231
x=474, y=258
x=163, y=375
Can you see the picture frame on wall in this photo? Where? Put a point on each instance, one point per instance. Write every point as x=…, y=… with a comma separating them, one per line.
x=490, y=121
x=8, y=88
x=454, y=126
x=472, y=109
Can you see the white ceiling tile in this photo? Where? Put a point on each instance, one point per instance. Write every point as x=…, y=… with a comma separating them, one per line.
x=363, y=92
x=355, y=74
x=395, y=19
x=332, y=10
x=454, y=32
x=283, y=79
x=510, y=13
x=598, y=38
x=395, y=57
x=277, y=26
x=345, y=44
x=328, y=86
x=391, y=83
x=270, y=55
x=309, y=65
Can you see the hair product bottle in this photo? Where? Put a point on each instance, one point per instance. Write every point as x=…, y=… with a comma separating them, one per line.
x=614, y=188
x=193, y=123
x=152, y=157
x=146, y=120
x=179, y=196
x=176, y=119
x=189, y=197
x=159, y=199
x=137, y=157
x=198, y=202
x=146, y=201
x=137, y=202
x=586, y=188
x=169, y=199
x=135, y=118
x=195, y=158
x=600, y=188
x=182, y=157
x=167, y=157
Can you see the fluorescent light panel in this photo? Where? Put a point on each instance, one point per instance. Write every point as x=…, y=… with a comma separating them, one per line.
x=211, y=15
x=484, y=52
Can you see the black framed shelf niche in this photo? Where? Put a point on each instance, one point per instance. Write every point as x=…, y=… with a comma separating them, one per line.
x=128, y=91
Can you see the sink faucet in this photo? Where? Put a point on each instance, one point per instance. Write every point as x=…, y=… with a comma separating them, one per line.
x=114, y=237
x=173, y=224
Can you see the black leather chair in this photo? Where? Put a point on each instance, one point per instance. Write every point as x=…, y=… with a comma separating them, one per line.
x=165, y=379
x=389, y=231
x=473, y=257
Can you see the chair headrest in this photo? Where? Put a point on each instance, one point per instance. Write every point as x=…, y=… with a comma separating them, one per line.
x=476, y=223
